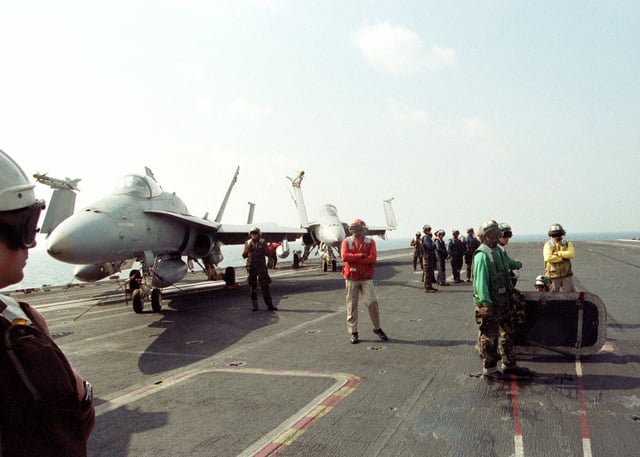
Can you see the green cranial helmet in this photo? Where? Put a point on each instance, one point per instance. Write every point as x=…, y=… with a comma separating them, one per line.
x=556, y=230
x=542, y=280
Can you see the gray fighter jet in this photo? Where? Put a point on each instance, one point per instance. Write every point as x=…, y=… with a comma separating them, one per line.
x=327, y=232
x=141, y=222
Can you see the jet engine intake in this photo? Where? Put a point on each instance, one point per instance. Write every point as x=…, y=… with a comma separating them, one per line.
x=215, y=255
x=168, y=270
x=199, y=246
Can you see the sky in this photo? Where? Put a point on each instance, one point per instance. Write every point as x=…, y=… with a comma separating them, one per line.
x=521, y=111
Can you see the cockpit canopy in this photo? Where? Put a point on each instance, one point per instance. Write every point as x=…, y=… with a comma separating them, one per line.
x=138, y=186
x=327, y=210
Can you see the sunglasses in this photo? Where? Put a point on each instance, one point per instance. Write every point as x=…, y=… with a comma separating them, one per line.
x=507, y=234
x=22, y=225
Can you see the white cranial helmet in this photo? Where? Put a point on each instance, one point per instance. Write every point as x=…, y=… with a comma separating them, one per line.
x=16, y=192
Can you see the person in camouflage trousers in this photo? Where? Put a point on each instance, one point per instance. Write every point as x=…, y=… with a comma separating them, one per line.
x=256, y=251
x=416, y=244
x=518, y=303
x=491, y=297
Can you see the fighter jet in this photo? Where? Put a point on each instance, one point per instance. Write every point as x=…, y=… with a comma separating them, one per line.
x=141, y=222
x=327, y=232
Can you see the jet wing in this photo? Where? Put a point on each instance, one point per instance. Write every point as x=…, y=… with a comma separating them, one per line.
x=233, y=234
x=380, y=231
x=371, y=231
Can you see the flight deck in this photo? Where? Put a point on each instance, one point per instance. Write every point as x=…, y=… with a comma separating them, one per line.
x=206, y=376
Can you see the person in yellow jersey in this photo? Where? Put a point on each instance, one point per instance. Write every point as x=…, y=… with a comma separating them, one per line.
x=557, y=254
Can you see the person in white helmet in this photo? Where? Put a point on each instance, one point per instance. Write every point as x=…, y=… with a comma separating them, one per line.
x=517, y=306
x=491, y=297
x=557, y=255
x=428, y=260
x=256, y=251
x=46, y=408
x=471, y=243
x=542, y=283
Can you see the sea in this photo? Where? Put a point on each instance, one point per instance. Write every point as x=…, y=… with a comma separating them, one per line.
x=42, y=270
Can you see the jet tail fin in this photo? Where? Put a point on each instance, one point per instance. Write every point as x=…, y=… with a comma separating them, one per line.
x=226, y=196
x=298, y=199
x=392, y=223
x=61, y=206
x=252, y=208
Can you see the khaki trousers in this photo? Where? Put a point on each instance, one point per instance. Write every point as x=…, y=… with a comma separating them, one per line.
x=562, y=284
x=355, y=290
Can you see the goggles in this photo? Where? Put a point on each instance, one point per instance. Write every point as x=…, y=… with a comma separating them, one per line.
x=507, y=234
x=22, y=225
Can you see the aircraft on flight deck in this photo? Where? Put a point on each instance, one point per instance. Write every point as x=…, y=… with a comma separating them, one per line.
x=141, y=222
x=328, y=231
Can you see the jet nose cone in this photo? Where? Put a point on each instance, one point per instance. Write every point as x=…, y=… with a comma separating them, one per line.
x=82, y=238
x=333, y=234
x=58, y=245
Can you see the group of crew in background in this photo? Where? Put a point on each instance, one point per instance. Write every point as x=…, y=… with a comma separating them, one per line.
x=431, y=252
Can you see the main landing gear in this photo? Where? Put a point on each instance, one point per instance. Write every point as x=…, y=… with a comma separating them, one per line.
x=325, y=265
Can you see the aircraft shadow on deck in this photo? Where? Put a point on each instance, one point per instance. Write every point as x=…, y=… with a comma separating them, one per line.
x=198, y=325
x=113, y=431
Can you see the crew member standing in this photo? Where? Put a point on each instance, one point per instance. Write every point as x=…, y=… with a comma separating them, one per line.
x=491, y=297
x=358, y=252
x=273, y=255
x=428, y=260
x=557, y=260
x=46, y=408
x=517, y=305
x=255, y=251
x=471, y=243
x=442, y=255
x=416, y=244
x=456, y=252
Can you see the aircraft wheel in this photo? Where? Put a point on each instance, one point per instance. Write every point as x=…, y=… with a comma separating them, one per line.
x=156, y=300
x=333, y=265
x=325, y=265
x=136, y=300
